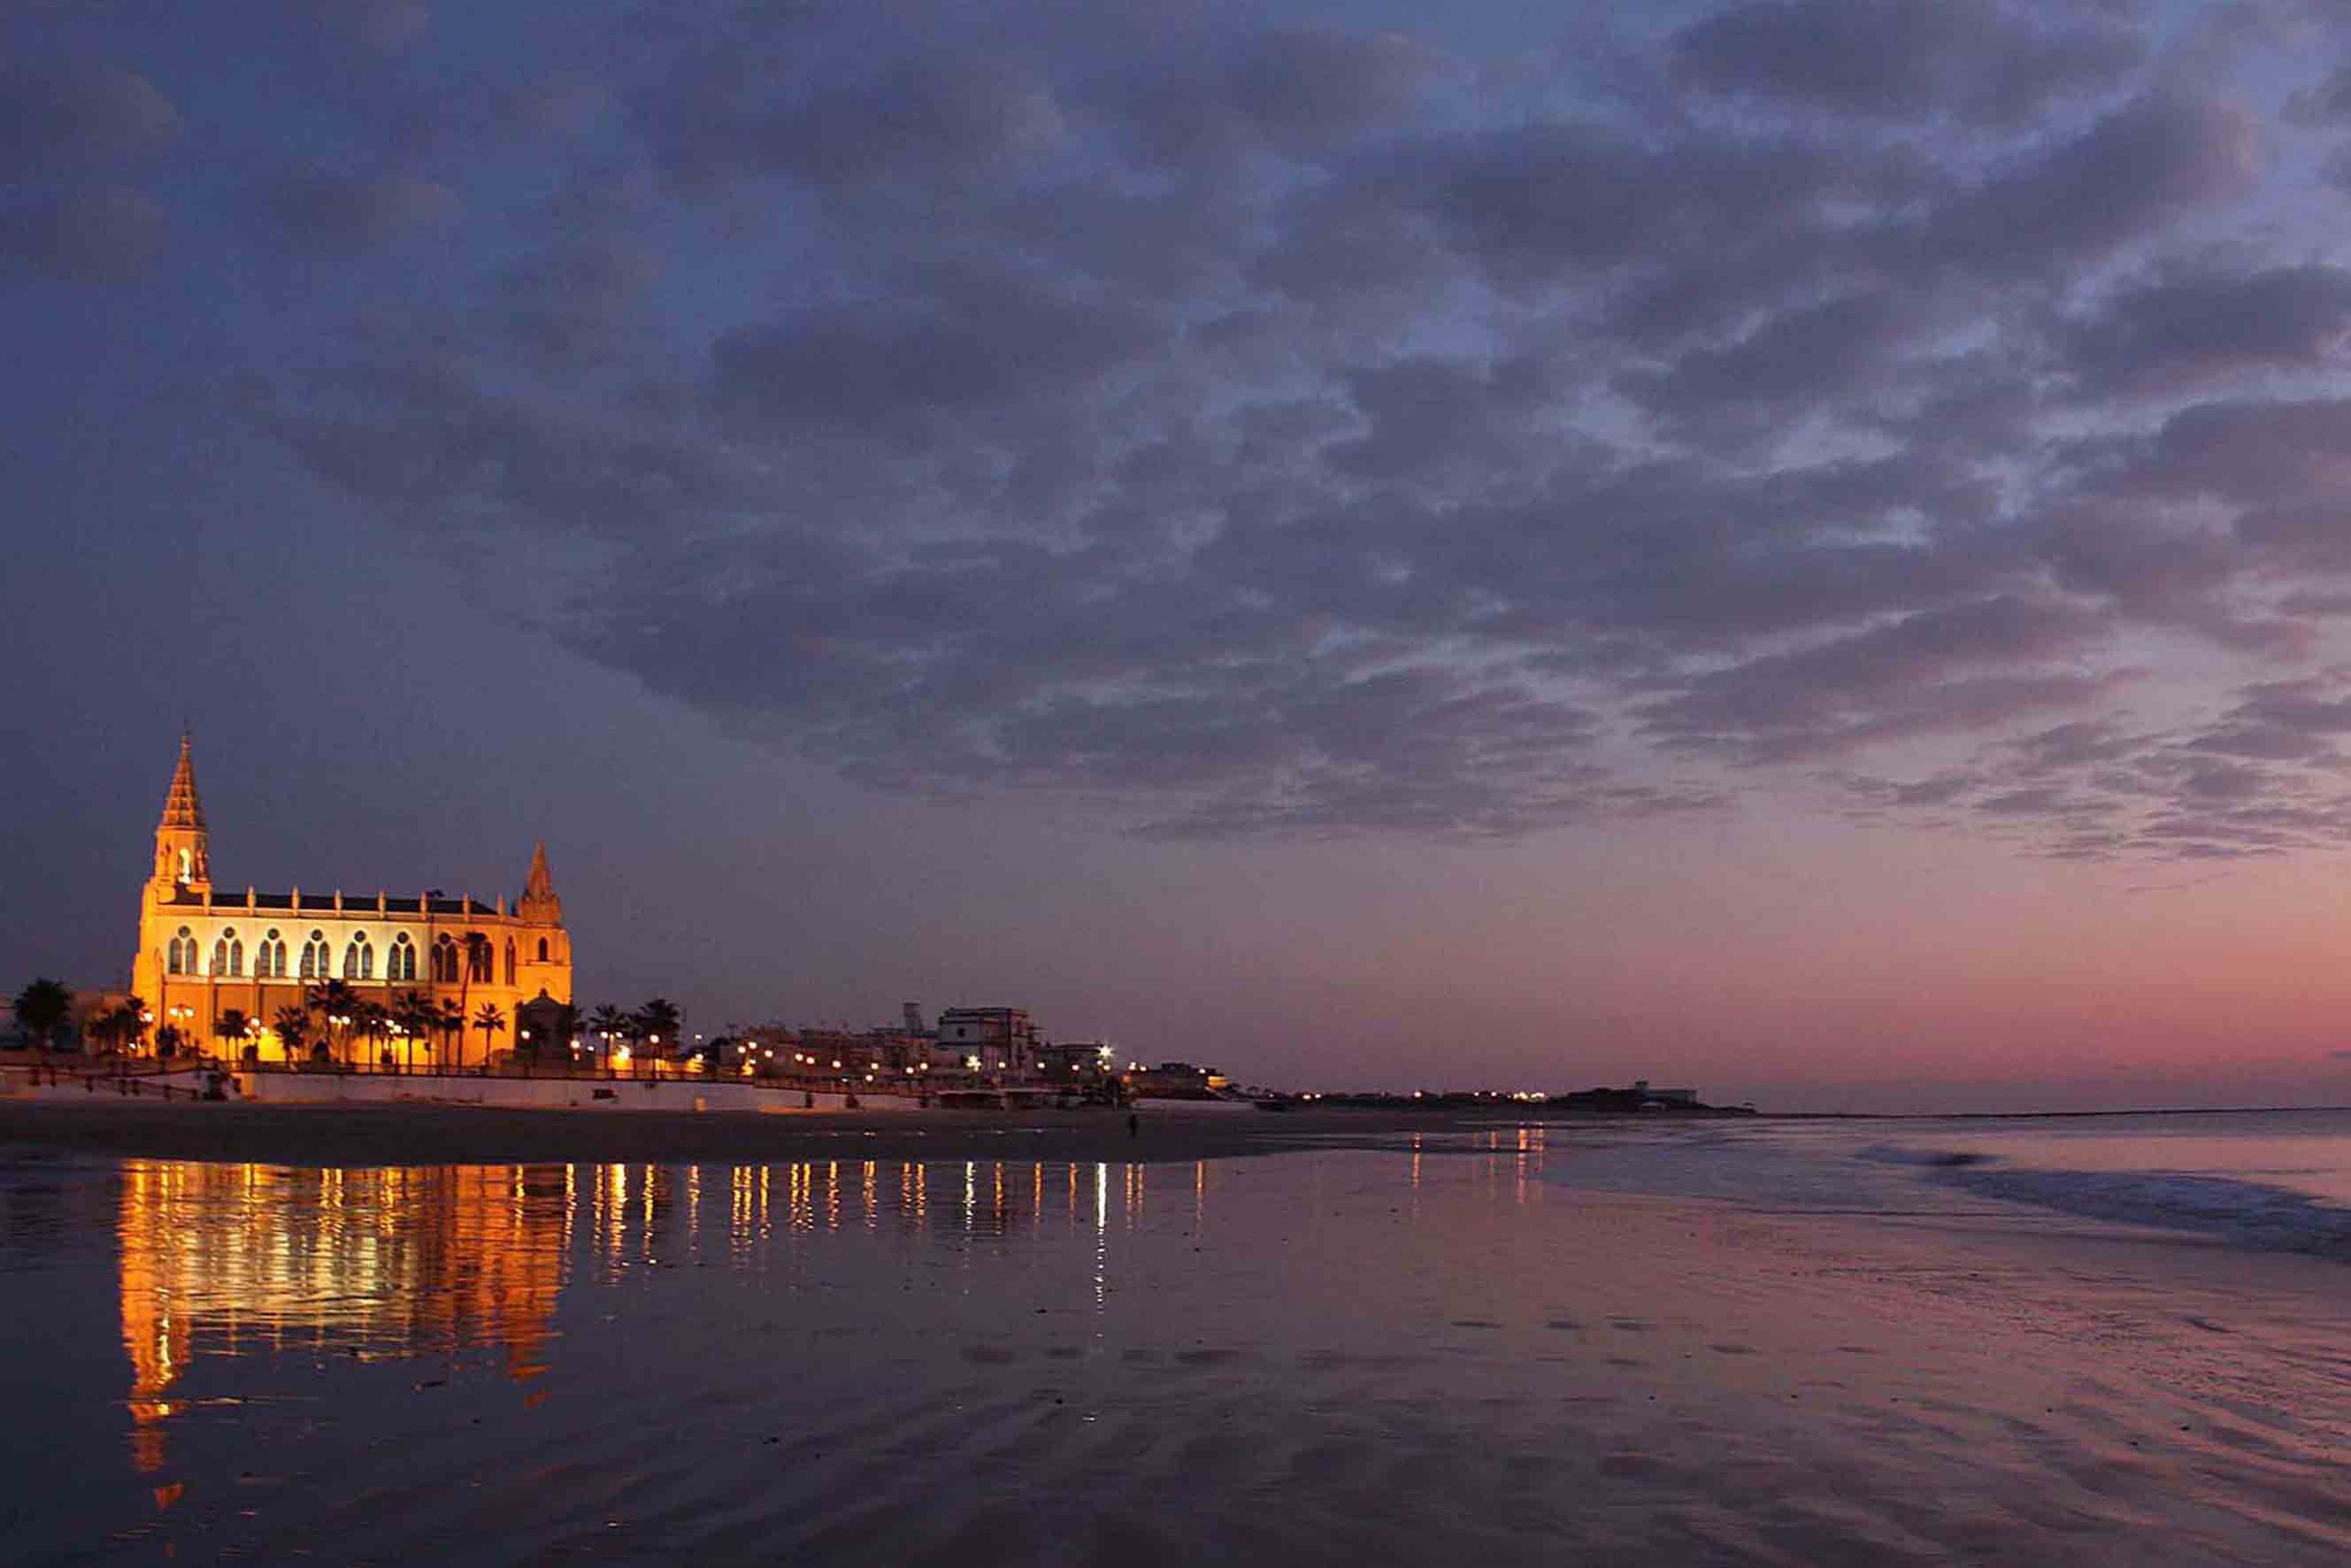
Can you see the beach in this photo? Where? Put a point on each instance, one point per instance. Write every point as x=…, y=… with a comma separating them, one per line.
x=421, y=1134
x=1522, y=1343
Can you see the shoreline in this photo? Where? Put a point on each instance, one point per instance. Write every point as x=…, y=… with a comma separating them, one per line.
x=413, y=1133
x=440, y=1134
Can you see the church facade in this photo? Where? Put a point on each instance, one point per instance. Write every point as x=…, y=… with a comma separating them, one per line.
x=204, y=952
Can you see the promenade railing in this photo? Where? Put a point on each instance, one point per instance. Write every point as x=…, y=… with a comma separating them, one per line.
x=899, y=1084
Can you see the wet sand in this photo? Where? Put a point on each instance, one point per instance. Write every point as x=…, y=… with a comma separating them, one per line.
x=414, y=1135
x=1357, y=1357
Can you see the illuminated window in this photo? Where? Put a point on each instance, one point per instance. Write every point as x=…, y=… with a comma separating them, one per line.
x=510, y=961
x=481, y=958
x=445, y=959
x=314, y=956
x=400, y=963
x=181, y=956
x=269, y=959
x=359, y=959
x=228, y=953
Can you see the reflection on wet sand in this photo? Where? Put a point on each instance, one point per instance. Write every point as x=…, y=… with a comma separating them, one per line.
x=243, y=1260
x=227, y=1262
x=1346, y=1354
x=232, y=1260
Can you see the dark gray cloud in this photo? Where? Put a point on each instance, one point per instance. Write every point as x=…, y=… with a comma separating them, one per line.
x=345, y=210
x=1297, y=93
x=1972, y=59
x=1262, y=430
x=927, y=119
x=973, y=339
x=1788, y=365
x=1960, y=668
x=384, y=25
x=84, y=234
x=73, y=117
x=2164, y=333
x=2150, y=161
x=2326, y=102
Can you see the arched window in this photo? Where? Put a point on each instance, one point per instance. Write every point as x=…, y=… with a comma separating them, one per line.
x=358, y=958
x=481, y=958
x=510, y=968
x=400, y=963
x=181, y=956
x=314, y=958
x=542, y=949
x=269, y=959
x=228, y=953
x=445, y=959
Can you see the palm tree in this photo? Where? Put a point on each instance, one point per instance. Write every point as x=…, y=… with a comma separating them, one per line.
x=657, y=1022
x=292, y=1026
x=490, y=1021
x=232, y=1024
x=452, y=1024
x=333, y=999
x=107, y=1029
x=132, y=1017
x=373, y=1025
x=414, y=1015
x=40, y=1008
x=605, y=1022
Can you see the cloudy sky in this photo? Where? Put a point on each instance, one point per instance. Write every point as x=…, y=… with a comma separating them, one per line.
x=1792, y=546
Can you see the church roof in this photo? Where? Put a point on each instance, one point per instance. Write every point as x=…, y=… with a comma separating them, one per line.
x=182, y=807
x=539, y=900
x=355, y=906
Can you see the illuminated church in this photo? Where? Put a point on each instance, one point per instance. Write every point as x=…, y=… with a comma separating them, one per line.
x=204, y=952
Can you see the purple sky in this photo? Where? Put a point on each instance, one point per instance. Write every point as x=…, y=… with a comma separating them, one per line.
x=1790, y=547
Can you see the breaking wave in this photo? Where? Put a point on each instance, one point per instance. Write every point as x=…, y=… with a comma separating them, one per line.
x=2242, y=1213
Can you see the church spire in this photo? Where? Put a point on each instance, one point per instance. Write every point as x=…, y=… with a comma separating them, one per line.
x=183, y=844
x=182, y=807
x=538, y=901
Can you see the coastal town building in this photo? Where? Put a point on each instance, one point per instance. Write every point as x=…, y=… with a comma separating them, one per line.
x=1073, y=1061
x=1174, y=1081
x=989, y=1039
x=206, y=952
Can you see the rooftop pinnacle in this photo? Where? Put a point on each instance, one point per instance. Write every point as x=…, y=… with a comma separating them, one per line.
x=539, y=900
x=182, y=807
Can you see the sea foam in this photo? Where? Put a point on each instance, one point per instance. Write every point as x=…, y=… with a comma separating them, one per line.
x=2241, y=1213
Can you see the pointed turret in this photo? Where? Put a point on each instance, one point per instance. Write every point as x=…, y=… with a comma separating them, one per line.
x=538, y=903
x=181, y=806
x=183, y=844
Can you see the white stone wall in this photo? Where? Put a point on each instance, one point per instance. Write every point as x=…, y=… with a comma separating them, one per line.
x=627, y=1095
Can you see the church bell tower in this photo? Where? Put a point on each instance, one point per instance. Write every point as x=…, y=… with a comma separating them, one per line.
x=183, y=862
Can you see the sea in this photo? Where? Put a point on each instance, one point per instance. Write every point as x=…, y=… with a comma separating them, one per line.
x=2062, y=1340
